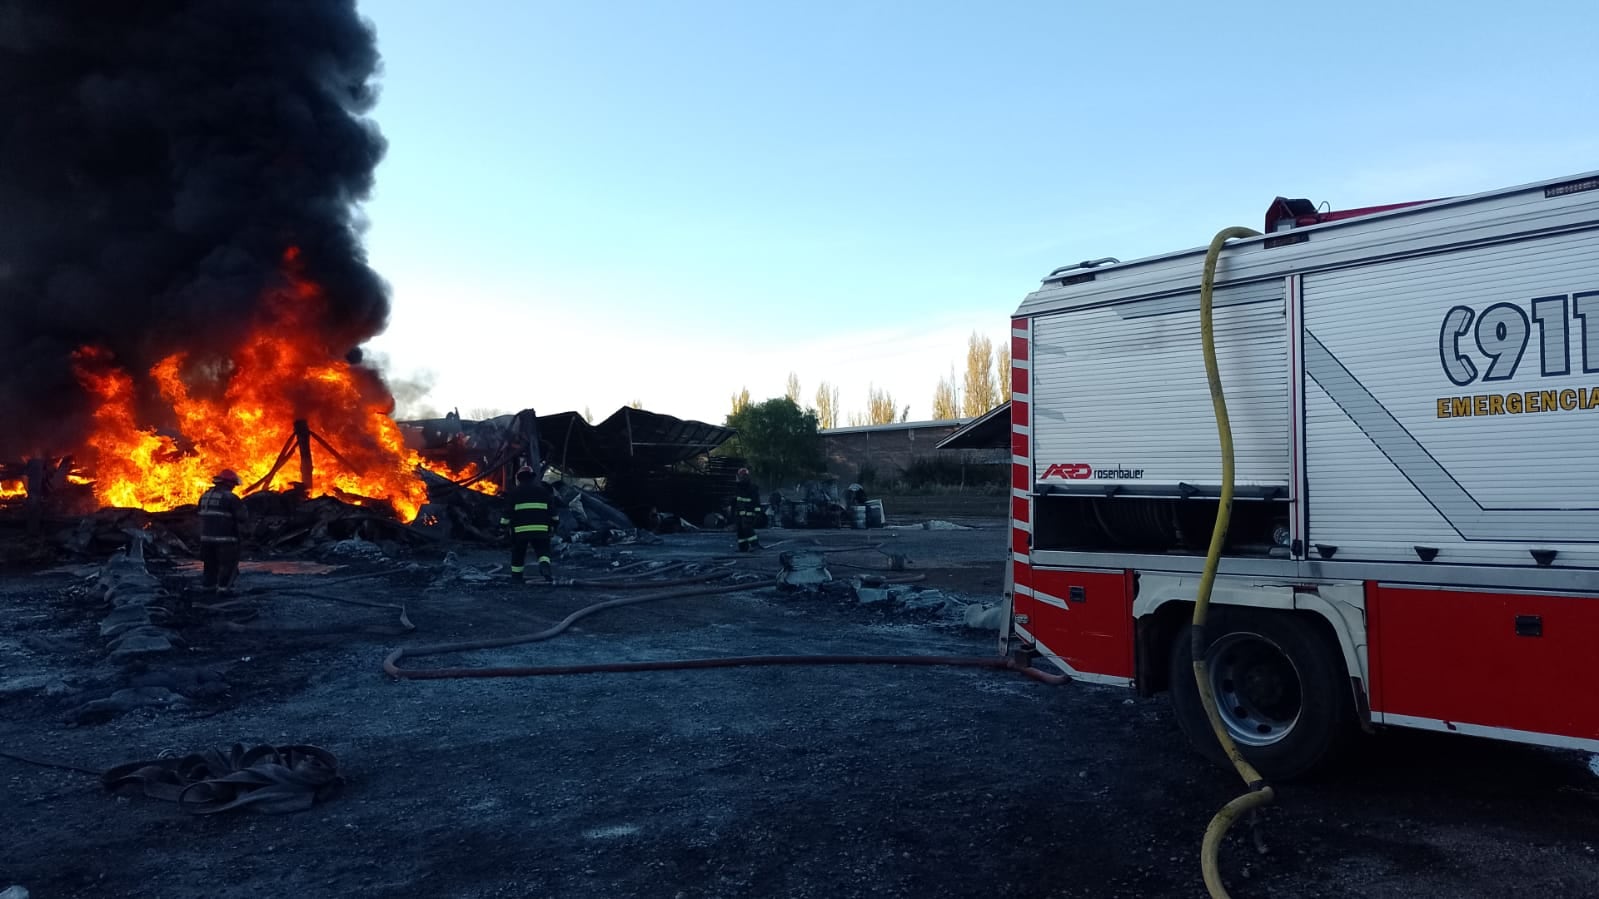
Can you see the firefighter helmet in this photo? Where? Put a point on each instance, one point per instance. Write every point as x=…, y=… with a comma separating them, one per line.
x=226, y=476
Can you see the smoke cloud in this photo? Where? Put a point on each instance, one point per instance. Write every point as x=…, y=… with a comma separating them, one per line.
x=157, y=158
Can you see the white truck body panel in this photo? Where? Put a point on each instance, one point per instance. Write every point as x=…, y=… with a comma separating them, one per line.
x=1116, y=374
x=1118, y=380
x=1390, y=464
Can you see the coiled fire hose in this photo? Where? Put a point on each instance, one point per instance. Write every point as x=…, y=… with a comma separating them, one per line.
x=1260, y=793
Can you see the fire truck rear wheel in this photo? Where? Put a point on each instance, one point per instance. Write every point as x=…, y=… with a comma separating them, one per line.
x=1280, y=686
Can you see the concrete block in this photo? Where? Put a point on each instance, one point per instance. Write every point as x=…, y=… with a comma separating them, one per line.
x=872, y=594
x=805, y=570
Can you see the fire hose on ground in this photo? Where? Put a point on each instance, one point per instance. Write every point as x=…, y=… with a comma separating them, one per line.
x=283, y=779
x=1260, y=793
x=685, y=587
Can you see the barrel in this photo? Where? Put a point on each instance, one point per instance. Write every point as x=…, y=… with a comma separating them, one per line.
x=858, y=520
x=874, y=513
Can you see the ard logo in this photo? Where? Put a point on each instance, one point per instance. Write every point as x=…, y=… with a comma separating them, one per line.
x=1071, y=471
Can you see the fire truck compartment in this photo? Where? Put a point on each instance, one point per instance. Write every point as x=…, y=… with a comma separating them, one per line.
x=1083, y=618
x=1485, y=663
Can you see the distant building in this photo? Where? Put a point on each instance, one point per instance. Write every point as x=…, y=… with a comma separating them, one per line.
x=889, y=449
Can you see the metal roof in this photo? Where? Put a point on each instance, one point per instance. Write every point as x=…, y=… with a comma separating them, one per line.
x=629, y=439
x=991, y=430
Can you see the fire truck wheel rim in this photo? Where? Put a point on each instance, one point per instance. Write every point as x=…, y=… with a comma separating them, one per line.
x=1258, y=689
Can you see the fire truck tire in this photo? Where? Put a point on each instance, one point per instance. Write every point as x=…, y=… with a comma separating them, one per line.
x=1280, y=686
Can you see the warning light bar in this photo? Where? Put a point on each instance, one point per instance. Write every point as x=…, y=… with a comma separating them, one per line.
x=1571, y=187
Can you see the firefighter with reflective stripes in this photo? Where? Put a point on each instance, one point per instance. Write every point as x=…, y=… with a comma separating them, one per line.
x=746, y=507
x=530, y=519
x=222, y=517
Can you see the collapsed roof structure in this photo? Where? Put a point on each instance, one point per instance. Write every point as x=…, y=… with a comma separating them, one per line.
x=627, y=441
x=639, y=455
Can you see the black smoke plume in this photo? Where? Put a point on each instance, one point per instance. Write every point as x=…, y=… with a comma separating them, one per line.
x=157, y=158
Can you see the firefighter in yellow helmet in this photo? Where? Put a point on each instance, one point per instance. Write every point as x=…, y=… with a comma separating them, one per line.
x=530, y=519
x=746, y=508
x=222, y=517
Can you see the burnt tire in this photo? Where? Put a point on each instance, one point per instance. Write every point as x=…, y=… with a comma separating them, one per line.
x=1281, y=686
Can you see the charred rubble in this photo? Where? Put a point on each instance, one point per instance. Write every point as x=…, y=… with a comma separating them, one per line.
x=635, y=473
x=635, y=470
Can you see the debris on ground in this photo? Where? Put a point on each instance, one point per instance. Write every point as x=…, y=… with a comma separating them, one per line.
x=815, y=504
x=356, y=548
x=453, y=572
x=931, y=525
x=272, y=780
x=984, y=617
x=804, y=571
x=684, y=768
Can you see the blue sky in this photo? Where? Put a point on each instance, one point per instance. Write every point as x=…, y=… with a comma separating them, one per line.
x=588, y=203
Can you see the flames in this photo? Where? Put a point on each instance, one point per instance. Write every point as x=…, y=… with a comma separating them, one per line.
x=159, y=440
x=13, y=489
x=470, y=470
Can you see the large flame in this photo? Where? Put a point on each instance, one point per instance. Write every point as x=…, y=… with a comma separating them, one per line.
x=236, y=409
x=13, y=489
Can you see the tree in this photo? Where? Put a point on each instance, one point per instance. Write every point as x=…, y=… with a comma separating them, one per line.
x=946, y=405
x=587, y=415
x=793, y=389
x=777, y=439
x=880, y=407
x=637, y=404
x=1004, y=373
x=483, y=413
x=827, y=405
x=858, y=419
x=981, y=395
x=741, y=401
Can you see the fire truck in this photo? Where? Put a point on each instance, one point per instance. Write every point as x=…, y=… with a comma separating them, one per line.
x=1413, y=393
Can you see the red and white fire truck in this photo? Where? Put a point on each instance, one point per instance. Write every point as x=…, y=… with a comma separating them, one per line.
x=1414, y=398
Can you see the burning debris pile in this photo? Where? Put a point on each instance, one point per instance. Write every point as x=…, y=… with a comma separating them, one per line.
x=181, y=273
x=184, y=291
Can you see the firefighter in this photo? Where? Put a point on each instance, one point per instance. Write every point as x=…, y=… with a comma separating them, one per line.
x=222, y=517
x=528, y=515
x=746, y=506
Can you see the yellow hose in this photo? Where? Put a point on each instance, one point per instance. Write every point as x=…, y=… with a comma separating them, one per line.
x=1260, y=793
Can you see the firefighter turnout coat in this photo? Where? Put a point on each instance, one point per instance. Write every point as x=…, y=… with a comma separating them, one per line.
x=222, y=515
x=527, y=511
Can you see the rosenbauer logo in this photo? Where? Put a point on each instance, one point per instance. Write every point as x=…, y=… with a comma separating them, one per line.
x=1071, y=471
x=1082, y=471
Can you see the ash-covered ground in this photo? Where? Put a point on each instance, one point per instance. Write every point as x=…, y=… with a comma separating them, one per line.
x=822, y=782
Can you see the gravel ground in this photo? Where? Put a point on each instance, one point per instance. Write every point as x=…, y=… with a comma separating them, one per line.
x=794, y=782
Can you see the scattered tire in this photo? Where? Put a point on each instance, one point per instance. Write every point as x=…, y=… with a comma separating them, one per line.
x=1281, y=687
